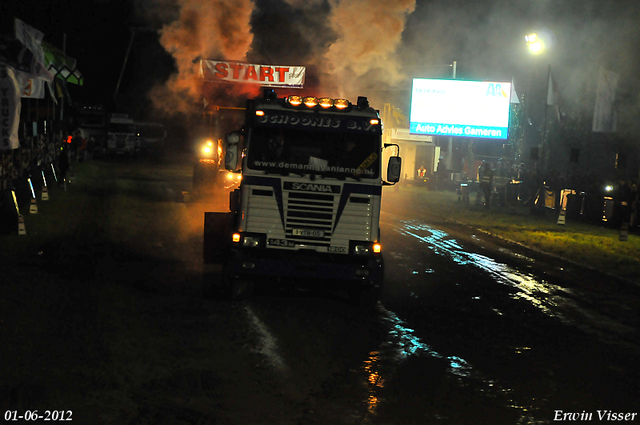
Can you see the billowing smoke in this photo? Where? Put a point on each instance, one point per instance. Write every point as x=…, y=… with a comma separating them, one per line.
x=363, y=57
x=354, y=46
x=203, y=29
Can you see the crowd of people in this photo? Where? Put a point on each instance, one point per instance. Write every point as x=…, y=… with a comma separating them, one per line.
x=503, y=183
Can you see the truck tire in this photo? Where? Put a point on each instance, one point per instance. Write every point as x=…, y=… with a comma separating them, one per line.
x=236, y=288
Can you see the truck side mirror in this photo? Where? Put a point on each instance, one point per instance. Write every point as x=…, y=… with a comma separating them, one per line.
x=232, y=149
x=394, y=169
x=233, y=138
x=231, y=158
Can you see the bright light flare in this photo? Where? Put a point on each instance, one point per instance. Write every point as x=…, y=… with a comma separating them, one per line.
x=534, y=43
x=377, y=248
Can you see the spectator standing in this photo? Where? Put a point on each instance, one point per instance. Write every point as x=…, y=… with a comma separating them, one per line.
x=486, y=183
x=440, y=171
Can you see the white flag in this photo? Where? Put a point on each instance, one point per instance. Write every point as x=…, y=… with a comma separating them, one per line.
x=31, y=38
x=10, y=111
x=554, y=98
x=604, y=114
x=514, y=95
x=29, y=86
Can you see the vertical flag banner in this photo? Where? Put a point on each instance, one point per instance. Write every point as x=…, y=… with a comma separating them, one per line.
x=31, y=38
x=10, y=109
x=604, y=114
x=514, y=95
x=553, y=96
x=16, y=55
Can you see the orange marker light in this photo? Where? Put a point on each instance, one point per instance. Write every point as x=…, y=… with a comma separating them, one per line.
x=326, y=102
x=310, y=101
x=295, y=100
x=236, y=237
x=341, y=103
x=377, y=248
x=260, y=113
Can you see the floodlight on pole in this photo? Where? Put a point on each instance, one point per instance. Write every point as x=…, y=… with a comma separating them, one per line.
x=534, y=43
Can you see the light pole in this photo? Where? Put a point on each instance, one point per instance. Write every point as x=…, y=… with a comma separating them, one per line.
x=536, y=47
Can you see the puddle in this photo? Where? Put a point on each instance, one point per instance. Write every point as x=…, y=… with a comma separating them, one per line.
x=553, y=300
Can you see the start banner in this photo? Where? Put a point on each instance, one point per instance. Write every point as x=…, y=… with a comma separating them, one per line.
x=248, y=73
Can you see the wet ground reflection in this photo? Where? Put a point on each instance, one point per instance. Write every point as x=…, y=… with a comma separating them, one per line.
x=552, y=300
x=400, y=344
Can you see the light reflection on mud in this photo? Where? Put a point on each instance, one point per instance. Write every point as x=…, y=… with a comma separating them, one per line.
x=528, y=286
x=401, y=343
x=552, y=300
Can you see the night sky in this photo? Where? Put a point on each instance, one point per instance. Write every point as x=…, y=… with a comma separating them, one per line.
x=373, y=47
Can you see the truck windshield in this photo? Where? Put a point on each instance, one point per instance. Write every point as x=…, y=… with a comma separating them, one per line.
x=330, y=154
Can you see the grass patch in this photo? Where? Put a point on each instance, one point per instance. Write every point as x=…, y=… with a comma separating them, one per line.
x=585, y=243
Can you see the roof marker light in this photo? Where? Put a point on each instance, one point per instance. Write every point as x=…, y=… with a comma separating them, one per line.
x=341, y=103
x=295, y=100
x=325, y=102
x=310, y=101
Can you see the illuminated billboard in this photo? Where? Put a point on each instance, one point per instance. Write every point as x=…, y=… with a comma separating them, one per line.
x=460, y=108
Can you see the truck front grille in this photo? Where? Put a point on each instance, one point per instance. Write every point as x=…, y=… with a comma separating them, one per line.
x=309, y=211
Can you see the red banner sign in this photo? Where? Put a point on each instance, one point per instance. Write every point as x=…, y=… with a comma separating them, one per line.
x=247, y=73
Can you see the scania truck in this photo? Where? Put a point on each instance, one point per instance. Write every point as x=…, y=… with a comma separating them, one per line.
x=308, y=208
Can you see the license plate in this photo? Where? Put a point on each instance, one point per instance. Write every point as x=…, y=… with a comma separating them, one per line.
x=281, y=242
x=311, y=233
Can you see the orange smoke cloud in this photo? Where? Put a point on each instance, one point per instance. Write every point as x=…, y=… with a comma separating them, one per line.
x=368, y=34
x=204, y=29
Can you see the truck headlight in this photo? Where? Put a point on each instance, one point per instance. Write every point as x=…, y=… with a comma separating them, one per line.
x=364, y=248
x=249, y=240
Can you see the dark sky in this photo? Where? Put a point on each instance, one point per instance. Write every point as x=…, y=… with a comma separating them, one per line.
x=486, y=38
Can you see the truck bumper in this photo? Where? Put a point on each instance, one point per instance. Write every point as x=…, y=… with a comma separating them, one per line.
x=306, y=266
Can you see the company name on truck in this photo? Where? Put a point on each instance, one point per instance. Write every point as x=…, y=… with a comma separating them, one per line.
x=322, y=122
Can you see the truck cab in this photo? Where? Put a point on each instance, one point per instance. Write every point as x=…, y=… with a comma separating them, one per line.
x=308, y=207
x=122, y=138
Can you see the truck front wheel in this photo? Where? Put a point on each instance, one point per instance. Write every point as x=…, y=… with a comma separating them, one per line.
x=236, y=288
